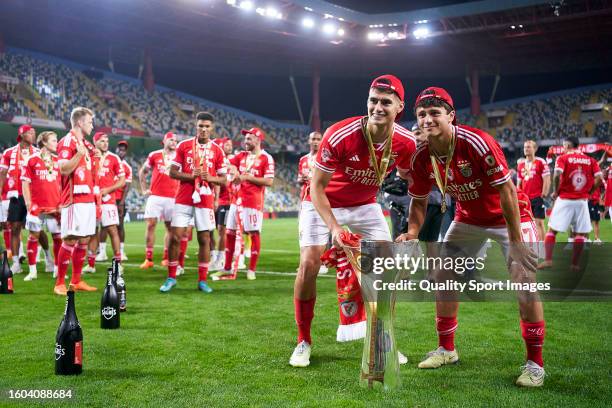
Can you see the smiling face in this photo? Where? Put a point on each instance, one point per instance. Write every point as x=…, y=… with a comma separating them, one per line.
x=102, y=144
x=29, y=137
x=250, y=142
x=383, y=107
x=434, y=121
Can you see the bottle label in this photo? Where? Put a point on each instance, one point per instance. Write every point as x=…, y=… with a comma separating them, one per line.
x=10, y=284
x=59, y=351
x=78, y=353
x=109, y=312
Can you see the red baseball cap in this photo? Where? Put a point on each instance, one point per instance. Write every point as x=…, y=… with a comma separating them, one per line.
x=124, y=143
x=393, y=83
x=435, y=92
x=23, y=129
x=255, y=131
x=98, y=136
x=167, y=136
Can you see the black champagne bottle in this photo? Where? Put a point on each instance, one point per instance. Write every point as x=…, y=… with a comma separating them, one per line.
x=109, y=306
x=69, y=341
x=6, y=276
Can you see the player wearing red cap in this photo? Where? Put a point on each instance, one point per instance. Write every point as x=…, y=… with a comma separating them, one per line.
x=41, y=193
x=161, y=192
x=355, y=156
x=576, y=177
x=222, y=209
x=111, y=178
x=469, y=164
x=199, y=165
x=533, y=177
x=11, y=170
x=253, y=171
x=77, y=164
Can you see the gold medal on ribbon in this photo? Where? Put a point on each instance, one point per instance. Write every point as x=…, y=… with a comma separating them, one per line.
x=379, y=169
x=434, y=163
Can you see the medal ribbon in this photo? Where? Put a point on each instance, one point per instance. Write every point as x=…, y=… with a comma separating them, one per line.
x=443, y=185
x=379, y=169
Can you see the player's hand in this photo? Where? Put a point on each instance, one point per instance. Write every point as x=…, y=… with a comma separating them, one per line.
x=97, y=154
x=146, y=192
x=104, y=191
x=554, y=195
x=521, y=253
x=81, y=150
x=405, y=237
x=204, y=175
x=336, y=236
x=197, y=172
x=215, y=204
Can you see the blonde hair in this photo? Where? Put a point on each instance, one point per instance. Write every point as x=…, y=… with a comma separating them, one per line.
x=43, y=138
x=78, y=113
x=533, y=143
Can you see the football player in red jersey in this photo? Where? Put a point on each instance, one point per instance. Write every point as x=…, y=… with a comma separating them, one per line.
x=160, y=194
x=199, y=165
x=576, y=176
x=78, y=199
x=111, y=177
x=469, y=164
x=41, y=192
x=221, y=212
x=11, y=169
x=253, y=171
x=354, y=157
x=533, y=177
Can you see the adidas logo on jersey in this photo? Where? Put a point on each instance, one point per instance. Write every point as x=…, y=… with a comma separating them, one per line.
x=355, y=158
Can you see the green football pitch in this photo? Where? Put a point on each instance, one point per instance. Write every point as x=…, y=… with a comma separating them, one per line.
x=231, y=347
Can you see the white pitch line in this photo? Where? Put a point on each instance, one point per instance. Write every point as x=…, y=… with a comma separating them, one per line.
x=280, y=251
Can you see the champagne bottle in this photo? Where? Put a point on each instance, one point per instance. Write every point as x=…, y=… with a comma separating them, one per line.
x=109, y=307
x=6, y=276
x=69, y=341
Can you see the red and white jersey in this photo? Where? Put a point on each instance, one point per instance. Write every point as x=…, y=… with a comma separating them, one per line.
x=109, y=171
x=305, y=169
x=578, y=172
x=478, y=166
x=608, y=199
x=226, y=192
x=127, y=169
x=13, y=161
x=44, y=180
x=77, y=187
x=212, y=159
x=598, y=193
x=344, y=152
x=262, y=165
x=531, y=175
x=161, y=183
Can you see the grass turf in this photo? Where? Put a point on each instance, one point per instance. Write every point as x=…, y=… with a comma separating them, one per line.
x=231, y=348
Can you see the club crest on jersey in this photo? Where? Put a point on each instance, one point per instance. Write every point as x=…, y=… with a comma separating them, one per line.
x=465, y=168
x=349, y=309
x=490, y=160
x=325, y=155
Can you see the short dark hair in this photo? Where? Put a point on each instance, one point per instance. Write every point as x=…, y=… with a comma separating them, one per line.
x=205, y=116
x=573, y=140
x=433, y=102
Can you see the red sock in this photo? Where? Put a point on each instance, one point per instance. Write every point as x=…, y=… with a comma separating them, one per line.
x=446, y=327
x=304, y=312
x=183, y=249
x=78, y=259
x=57, y=244
x=7, y=238
x=255, y=249
x=230, y=246
x=91, y=259
x=117, y=257
x=549, y=245
x=172, y=265
x=577, y=249
x=63, y=260
x=202, y=271
x=32, y=248
x=149, y=254
x=533, y=334
x=165, y=253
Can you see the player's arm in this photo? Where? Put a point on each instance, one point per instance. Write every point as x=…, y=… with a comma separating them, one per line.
x=118, y=184
x=142, y=175
x=126, y=188
x=416, y=218
x=27, y=194
x=3, y=172
x=319, y=182
x=555, y=183
x=258, y=181
x=67, y=166
x=545, y=185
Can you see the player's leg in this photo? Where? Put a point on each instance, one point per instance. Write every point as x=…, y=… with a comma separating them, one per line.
x=32, y=250
x=121, y=230
x=167, y=235
x=181, y=218
x=149, y=242
x=253, y=221
x=560, y=219
x=101, y=239
x=92, y=248
x=230, y=238
x=84, y=222
x=204, y=219
x=115, y=238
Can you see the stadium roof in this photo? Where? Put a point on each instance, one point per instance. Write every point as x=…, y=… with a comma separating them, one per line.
x=509, y=37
